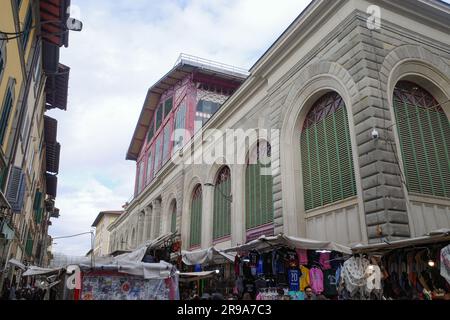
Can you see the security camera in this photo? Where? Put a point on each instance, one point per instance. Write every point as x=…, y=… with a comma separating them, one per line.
x=375, y=134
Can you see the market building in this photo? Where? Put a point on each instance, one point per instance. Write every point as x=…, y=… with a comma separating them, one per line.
x=32, y=81
x=102, y=235
x=360, y=136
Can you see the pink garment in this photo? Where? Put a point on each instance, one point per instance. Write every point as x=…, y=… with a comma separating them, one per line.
x=316, y=280
x=325, y=261
x=302, y=256
x=259, y=297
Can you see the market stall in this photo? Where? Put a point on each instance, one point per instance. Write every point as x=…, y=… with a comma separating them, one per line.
x=411, y=269
x=282, y=267
x=215, y=263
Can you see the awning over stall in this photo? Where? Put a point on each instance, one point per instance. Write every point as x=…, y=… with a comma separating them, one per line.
x=36, y=271
x=437, y=236
x=194, y=276
x=210, y=255
x=17, y=263
x=264, y=243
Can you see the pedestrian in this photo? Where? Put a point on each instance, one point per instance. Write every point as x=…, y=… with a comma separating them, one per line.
x=309, y=294
x=12, y=292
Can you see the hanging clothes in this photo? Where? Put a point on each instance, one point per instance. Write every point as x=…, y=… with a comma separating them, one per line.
x=445, y=263
x=302, y=256
x=316, y=280
x=324, y=261
x=353, y=272
x=304, y=278
x=373, y=274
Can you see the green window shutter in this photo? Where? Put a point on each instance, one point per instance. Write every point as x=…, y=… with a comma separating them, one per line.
x=222, y=205
x=29, y=245
x=424, y=133
x=327, y=162
x=173, y=222
x=196, y=217
x=37, y=200
x=258, y=192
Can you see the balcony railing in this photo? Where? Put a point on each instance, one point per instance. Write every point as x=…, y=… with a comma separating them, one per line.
x=211, y=65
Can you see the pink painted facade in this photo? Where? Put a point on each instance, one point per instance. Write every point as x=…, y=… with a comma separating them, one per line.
x=179, y=107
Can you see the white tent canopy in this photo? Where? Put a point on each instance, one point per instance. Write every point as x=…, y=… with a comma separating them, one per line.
x=139, y=253
x=36, y=271
x=264, y=243
x=194, y=276
x=440, y=235
x=17, y=263
x=210, y=255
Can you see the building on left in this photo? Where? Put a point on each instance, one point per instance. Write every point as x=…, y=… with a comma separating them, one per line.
x=32, y=81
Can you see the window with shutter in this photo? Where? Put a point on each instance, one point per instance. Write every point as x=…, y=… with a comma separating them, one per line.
x=326, y=153
x=173, y=218
x=29, y=245
x=222, y=204
x=424, y=133
x=2, y=57
x=27, y=28
x=258, y=187
x=16, y=189
x=37, y=200
x=196, y=217
x=6, y=112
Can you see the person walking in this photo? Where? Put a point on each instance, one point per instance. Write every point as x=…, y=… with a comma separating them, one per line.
x=12, y=292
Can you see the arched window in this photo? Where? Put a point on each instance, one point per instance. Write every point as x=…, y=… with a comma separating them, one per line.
x=326, y=153
x=173, y=217
x=196, y=217
x=258, y=187
x=424, y=133
x=222, y=204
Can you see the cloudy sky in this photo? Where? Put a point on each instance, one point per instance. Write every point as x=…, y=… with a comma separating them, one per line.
x=125, y=47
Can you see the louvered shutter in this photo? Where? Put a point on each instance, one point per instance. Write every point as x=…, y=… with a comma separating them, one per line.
x=424, y=133
x=258, y=191
x=4, y=120
x=173, y=222
x=16, y=189
x=196, y=218
x=222, y=205
x=29, y=245
x=327, y=162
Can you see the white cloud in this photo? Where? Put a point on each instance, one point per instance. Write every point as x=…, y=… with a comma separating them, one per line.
x=124, y=48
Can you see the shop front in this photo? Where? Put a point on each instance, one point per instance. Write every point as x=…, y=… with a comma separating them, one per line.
x=412, y=269
x=218, y=268
x=287, y=268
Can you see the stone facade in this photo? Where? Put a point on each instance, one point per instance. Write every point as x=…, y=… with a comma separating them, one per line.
x=328, y=48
